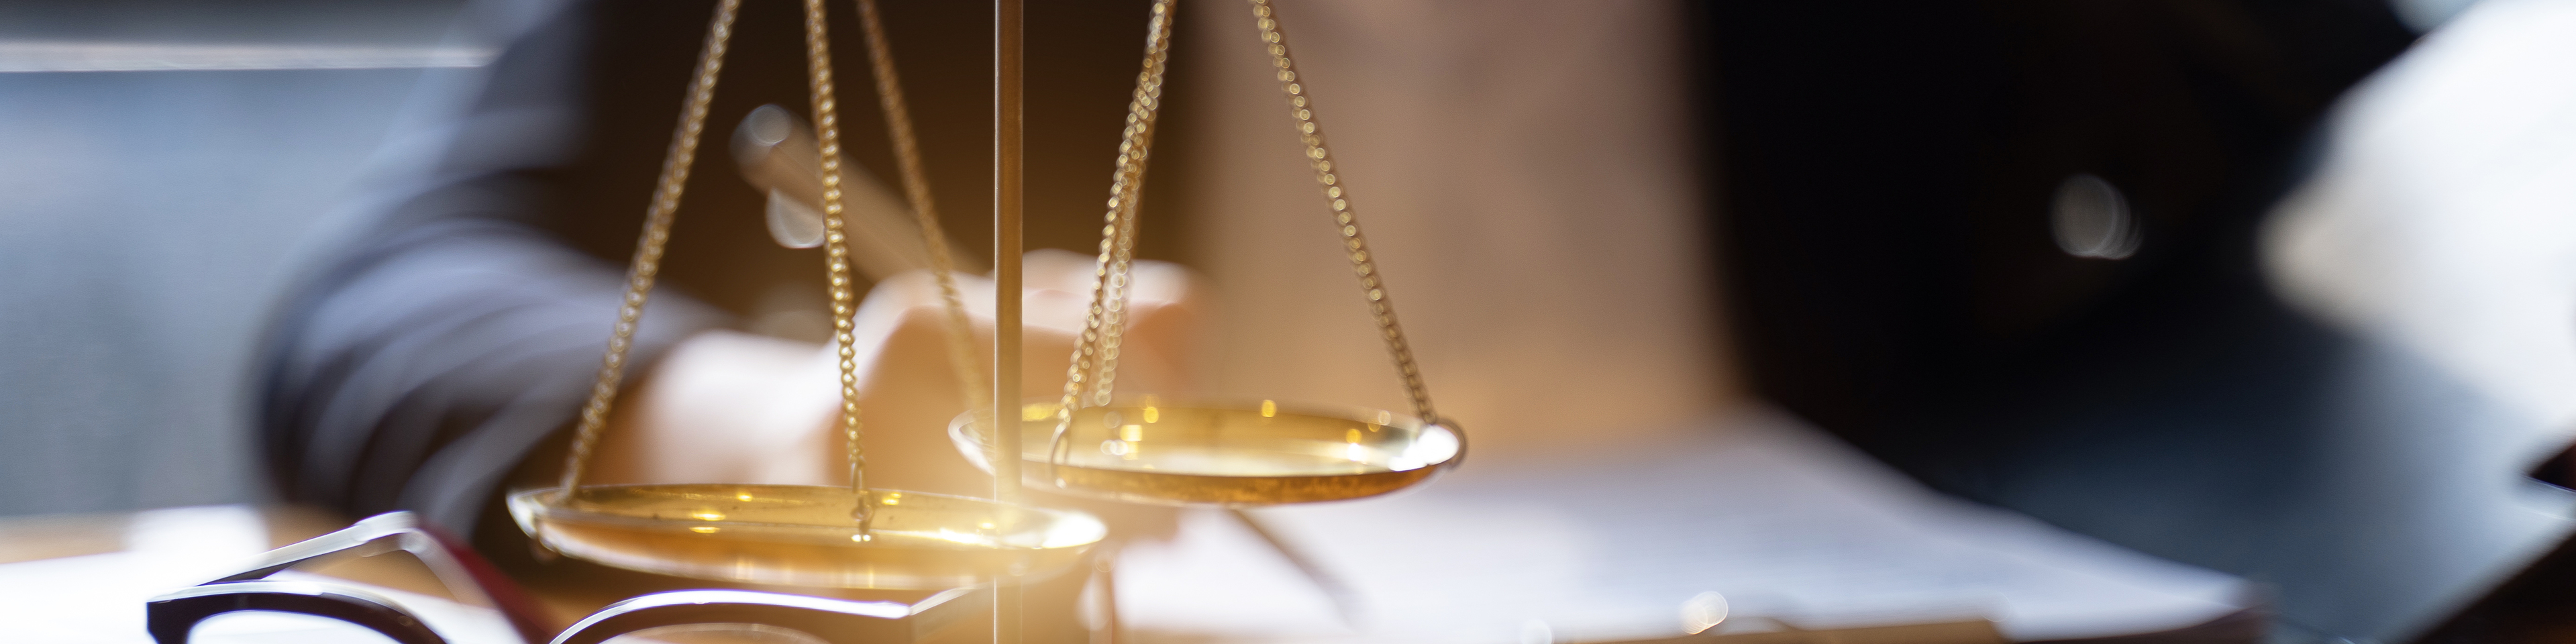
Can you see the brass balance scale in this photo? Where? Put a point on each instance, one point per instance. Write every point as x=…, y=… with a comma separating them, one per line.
x=1086, y=442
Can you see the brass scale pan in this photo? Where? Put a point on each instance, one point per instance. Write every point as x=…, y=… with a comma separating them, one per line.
x=1234, y=455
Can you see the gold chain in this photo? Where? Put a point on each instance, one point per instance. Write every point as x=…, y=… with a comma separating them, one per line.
x=1111, y=287
x=648, y=249
x=827, y=131
x=1095, y=357
x=1095, y=361
x=916, y=188
x=674, y=177
x=1095, y=354
x=1380, y=305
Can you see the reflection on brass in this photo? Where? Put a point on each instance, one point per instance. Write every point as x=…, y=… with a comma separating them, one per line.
x=802, y=535
x=1232, y=455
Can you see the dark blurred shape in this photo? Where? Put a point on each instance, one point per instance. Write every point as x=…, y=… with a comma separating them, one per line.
x=1886, y=172
x=2559, y=469
x=2536, y=605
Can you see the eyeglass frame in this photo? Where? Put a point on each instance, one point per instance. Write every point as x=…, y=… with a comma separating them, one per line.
x=172, y=617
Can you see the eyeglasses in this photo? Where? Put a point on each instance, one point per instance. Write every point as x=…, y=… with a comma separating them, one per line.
x=172, y=617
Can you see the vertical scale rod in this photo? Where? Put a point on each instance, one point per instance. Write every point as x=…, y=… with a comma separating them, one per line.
x=1006, y=249
x=1006, y=292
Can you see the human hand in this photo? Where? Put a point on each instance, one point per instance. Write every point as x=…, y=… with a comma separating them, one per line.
x=726, y=406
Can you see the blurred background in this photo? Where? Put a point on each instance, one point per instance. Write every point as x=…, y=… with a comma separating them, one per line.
x=165, y=164
x=2281, y=290
x=173, y=167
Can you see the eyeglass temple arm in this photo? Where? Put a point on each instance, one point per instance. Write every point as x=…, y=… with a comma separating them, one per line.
x=361, y=536
x=457, y=567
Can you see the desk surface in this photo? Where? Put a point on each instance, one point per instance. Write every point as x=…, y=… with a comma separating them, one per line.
x=85, y=578
x=212, y=537
x=1788, y=529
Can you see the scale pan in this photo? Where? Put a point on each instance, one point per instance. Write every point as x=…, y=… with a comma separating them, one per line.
x=802, y=535
x=1223, y=454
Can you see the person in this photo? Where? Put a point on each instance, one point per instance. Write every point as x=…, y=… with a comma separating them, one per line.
x=441, y=357
x=1884, y=190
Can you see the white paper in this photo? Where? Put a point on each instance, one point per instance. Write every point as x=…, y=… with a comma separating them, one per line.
x=1781, y=521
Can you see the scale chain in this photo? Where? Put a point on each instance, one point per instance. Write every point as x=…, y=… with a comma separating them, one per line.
x=647, y=262
x=916, y=189
x=827, y=131
x=1381, y=306
x=1111, y=275
x=1094, y=364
